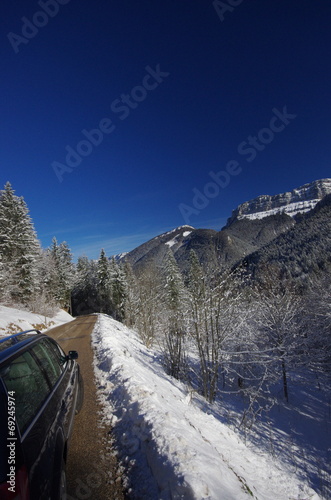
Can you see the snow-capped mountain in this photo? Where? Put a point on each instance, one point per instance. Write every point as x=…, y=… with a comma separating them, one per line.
x=300, y=200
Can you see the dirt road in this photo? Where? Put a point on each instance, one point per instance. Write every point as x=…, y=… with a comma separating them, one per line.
x=91, y=470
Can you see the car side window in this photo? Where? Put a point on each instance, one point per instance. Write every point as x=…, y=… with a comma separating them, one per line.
x=58, y=353
x=49, y=360
x=24, y=376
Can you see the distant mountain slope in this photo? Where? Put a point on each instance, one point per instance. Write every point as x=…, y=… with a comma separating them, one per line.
x=215, y=249
x=251, y=231
x=303, y=249
x=154, y=250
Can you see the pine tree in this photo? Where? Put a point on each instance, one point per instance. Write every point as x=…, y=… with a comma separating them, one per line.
x=19, y=248
x=61, y=273
x=85, y=291
x=104, y=283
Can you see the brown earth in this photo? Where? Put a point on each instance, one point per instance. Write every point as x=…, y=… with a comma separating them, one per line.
x=92, y=469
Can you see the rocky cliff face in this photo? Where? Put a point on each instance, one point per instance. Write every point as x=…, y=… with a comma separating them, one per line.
x=299, y=200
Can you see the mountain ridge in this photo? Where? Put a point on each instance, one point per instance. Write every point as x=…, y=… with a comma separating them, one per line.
x=241, y=237
x=299, y=200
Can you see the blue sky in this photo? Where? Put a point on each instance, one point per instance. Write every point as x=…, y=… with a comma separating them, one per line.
x=177, y=90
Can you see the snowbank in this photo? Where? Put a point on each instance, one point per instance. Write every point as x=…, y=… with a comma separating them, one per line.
x=169, y=447
x=15, y=320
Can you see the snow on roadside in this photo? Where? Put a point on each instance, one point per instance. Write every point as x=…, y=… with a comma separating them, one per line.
x=15, y=320
x=168, y=446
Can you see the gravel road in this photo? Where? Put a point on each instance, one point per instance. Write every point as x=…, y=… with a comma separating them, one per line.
x=92, y=471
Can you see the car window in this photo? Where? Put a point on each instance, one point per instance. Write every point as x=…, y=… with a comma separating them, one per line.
x=59, y=354
x=50, y=361
x=25, y=377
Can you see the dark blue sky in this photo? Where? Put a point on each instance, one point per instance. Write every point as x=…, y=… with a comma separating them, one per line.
x=179, y=89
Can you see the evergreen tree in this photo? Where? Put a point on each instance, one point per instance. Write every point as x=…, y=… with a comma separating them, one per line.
x=19, y=248
x=85, y=291
x=61, y=273
x=104, y=283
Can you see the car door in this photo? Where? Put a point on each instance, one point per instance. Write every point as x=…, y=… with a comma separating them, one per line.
x=55, y=419
x=23, y=377
x=45, y=392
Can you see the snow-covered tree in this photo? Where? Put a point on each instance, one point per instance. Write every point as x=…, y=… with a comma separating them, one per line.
x=175, y=300
x=278, y=321
x=104, y=284
x=118, y=290
x=131, y=285
x=317, y=333
x=85, y=292
x=19, y=248
x=61, y=273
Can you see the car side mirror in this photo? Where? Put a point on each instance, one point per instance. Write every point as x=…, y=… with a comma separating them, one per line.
x=72, y=355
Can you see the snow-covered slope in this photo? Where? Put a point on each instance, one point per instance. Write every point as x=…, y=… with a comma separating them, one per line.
x=15, y=320
x=299, y=200
x=170, y=447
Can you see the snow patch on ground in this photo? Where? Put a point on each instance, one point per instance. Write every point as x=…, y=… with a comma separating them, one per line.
x=170, y=448
x=16, y=320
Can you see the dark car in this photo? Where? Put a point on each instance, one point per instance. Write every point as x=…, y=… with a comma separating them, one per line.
x=41, y=389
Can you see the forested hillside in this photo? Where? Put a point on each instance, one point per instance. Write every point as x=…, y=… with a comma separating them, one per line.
x=303, y=250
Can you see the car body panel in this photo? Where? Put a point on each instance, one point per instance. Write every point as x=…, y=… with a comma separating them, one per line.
x=47, y=388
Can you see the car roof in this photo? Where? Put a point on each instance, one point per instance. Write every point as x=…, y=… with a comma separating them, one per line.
x=12, y=343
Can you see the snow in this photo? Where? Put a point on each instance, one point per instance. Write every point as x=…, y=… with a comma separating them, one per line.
x=169, y=445
x=173, y=445
x=174, y=241
x=292, y=209
x=15, y=320
x=179, y=228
